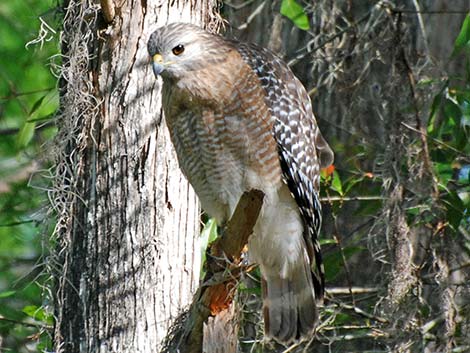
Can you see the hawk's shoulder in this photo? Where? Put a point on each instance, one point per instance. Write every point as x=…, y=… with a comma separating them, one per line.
x=283, y=90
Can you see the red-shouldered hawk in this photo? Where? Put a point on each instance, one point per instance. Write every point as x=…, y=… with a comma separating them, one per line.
x=239, y=120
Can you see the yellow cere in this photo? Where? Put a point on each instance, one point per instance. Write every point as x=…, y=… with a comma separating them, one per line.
x=158, y=58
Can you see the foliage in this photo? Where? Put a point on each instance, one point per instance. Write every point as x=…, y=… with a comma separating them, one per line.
x=28, y=99
x=208, y=235
x=446, y=140
x=296, y=13
x=463, y=39
x=449, y=136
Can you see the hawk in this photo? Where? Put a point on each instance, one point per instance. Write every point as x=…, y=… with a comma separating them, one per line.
x=239, y=120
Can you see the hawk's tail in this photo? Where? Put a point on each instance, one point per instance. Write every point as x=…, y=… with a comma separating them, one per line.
x=289, y=304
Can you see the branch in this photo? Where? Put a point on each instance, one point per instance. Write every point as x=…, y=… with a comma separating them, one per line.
x=374, y=334
x=23, y=323
x=354, y=290
x=437, y=141
x=353, y=26
x=107, y=6
x=354, y=198
x=223, y=270
x=363, y=313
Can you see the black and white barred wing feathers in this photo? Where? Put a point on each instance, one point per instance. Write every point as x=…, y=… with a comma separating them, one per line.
x=302, y=149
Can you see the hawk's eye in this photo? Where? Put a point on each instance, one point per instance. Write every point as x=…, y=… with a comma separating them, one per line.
x=178, y=49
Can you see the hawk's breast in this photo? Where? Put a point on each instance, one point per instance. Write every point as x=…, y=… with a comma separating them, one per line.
x=222, y=132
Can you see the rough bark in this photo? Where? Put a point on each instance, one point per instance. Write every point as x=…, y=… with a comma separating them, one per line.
x=127, y=250
x=221, y=332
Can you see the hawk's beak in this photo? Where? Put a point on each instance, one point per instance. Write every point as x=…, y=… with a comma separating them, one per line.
x=158, y=65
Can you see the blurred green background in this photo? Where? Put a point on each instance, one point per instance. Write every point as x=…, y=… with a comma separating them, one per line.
x=28, y=100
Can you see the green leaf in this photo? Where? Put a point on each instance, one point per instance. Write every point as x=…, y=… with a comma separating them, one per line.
x=463, y=39
x=38, y=313
x=249, y=290
x=25, y=135
x=436, y=103
x=414, y=211
x=444, y=172
x=455, y=209
x=296, y=13
x=348, y=184
x=341, y=319
x=208, y=235
x=427, y=82
x=45, y=343
x=36, y=105
x=31, y=310
x=452, y=112
x=336, y=184
x=324, y=241
x=41, y=118
x=7, y=293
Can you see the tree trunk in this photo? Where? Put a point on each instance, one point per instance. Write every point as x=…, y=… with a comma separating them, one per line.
x=127, y=252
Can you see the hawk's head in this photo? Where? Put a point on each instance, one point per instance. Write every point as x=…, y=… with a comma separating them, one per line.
x=179, y=48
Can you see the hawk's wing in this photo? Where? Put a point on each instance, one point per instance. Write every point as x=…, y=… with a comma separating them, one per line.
x=302, y=148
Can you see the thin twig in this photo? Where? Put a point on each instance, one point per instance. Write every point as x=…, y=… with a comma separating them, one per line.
x=292, y=347
x=13, y=94
x=439, y=142
x=436, y=12
x=354, y=290
x=250, y=18
x=238, y=7
x=13, y=224
x=337, y=238
x=421, y=26
x=354, y=336
x=361, y=312
x=345, y=262
x=299, y=57
x=350, y=327
x=453, y=269
x=353, y=198
x=28, y=324
x=428, y=326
